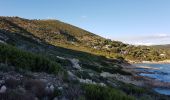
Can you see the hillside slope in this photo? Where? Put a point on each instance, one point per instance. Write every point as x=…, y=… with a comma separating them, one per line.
x=65, y=35
x=48, y=59
x=167, y=46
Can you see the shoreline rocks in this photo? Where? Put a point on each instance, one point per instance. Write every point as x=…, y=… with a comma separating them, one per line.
x=147, y=81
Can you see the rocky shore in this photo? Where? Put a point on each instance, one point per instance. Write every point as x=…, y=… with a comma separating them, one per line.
x=145, y=81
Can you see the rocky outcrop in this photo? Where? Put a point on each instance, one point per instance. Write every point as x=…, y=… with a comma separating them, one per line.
x=75, y=63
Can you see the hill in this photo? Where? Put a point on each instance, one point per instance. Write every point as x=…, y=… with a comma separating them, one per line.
x=49, y=59
x=167, y=46
x=65, y=35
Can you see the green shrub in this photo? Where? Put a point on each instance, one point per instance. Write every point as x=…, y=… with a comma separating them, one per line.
x=12, y=56
x=92, y=67
x=96, y=92
x=83, y=74
x=131, y=89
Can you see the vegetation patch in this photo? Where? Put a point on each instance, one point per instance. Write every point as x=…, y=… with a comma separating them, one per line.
x=96, y=92
x=12, y=56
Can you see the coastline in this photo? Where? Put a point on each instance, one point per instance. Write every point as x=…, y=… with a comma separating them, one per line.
x=146, y=81
x=150, y=62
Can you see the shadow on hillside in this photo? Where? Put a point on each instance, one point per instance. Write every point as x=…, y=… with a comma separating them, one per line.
x=29, y=42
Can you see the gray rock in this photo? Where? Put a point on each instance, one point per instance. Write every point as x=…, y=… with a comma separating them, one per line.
x=75, y=63
x=55, y=98
x=60, y=88
x=3, y=89
x=51, y=88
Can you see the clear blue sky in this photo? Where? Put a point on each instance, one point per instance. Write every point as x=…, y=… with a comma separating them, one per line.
x=130, y=21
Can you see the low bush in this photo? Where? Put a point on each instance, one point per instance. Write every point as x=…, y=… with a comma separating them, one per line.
x=92, y=67
x=83, y=75
x=109, y=69
x=20, y=59
x=6, y=68
x=131, y=89
x=96, y=92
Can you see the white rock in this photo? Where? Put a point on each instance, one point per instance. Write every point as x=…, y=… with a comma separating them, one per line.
x=106, y=74
x=3, y=89
x=60, y=88
x=88, y=81
x=2, y=42
x=52, y=88
x=102, y=84
x=75, y=63
x=70, y=74
x=60, y=57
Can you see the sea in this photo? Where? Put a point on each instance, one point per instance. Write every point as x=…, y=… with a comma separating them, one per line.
x=159, y=72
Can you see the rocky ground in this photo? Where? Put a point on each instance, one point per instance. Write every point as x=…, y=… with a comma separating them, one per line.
x=43, y=86
x=35, y=86
x=25, y=85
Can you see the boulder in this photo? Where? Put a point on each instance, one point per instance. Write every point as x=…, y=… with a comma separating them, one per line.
x=3, y=89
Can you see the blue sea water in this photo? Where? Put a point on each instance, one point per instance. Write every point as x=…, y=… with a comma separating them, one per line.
x=163, y=91
x=159, y=72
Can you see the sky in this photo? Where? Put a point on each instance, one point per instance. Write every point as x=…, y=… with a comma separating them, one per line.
x=139, y=22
